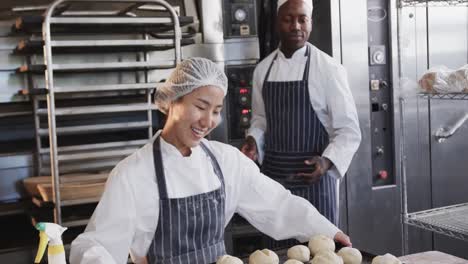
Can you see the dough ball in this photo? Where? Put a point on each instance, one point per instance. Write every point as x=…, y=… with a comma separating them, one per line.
x=327, y=257
x=226, y=259
x=321, y=243
x=293, y=261
x=350, y=255
x=264, y=256
x=386, y=259
x=299, y=252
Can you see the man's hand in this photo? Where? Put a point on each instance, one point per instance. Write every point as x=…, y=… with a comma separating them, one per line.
x=343, y=239
x=249, y=148
x=319, y=166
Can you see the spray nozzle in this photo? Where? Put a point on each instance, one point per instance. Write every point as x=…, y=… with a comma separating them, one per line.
x=41, y=226
x=50, y=233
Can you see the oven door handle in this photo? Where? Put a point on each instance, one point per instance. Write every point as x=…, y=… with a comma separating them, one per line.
x=442, y=134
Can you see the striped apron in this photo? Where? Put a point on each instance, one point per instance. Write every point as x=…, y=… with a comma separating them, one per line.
x=294, y=133
x=190, y=229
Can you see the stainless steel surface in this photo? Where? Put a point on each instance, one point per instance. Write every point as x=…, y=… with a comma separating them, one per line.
x=448, y=165
x=111, y=43
x=10, y=83
x=444, y=133
x=92, y=67
x=448, y=38
x=104, y=87
x=450, y=221
x=81, y=201
x=80, y=110
x=405, y=3
x=9, y=114
x=428, y=39
x=110, y=20
x=97, y=154
x=354, y=58
x=373, y=213
x=108, y=145
x=403, y=179
x=90, y=166
x=96, y=128
x=211, y=13
x=240, y=50
x=335, y=13
x=413, y=56
x=52, y=131
x=14, y=167
x=74, y=223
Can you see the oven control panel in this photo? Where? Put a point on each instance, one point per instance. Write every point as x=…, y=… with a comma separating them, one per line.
x=381, y=92
x=240, y=18
x=239, y=100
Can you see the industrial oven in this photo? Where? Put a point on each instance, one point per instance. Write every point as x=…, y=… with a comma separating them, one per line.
x=383, y=44
x=386, y=46
x=379, y=42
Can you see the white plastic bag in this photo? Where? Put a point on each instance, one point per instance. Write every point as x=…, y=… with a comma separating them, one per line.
x=444, y=80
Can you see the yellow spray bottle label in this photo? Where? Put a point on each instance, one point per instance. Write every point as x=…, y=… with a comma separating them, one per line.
x=43, y=240
x=55, y=250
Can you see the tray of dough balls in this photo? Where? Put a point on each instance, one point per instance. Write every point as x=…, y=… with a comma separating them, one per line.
x=320, y=250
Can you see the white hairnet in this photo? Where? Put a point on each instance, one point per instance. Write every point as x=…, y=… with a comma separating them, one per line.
x=307, y=2
x=189, y=75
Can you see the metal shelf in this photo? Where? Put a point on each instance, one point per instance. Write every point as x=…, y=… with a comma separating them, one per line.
x=94, y=147
x=89, y=166
x=33, y=24
x=405, y=3
x=450, y=221
x=101, y=154
x=75, y=223
x=43, y=204
x=99, y=46
x=13, y=208
x=93, y=88
x=97, y=155
x=71, y=130
x=97, y=67
x=83, y=110
x=61, y=33
x=447, y=96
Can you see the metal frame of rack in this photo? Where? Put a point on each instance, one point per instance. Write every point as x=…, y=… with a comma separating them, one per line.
x=404, y=3
x=451, y=220
x=57, y=15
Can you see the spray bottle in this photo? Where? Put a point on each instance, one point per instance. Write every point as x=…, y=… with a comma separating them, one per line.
x=51, y=234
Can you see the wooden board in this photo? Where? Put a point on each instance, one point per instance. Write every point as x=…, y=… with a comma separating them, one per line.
x=70, y=183
x=432, y=257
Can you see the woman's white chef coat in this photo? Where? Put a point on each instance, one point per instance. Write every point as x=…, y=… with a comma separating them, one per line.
x=126, y=217
x=330, y=97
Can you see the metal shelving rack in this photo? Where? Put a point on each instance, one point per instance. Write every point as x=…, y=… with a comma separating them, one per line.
x=450, y=220
x=56, y=21
x=404, y=3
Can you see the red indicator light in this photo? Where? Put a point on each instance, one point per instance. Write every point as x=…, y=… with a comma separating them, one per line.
x=243, y=90
x=245, y=111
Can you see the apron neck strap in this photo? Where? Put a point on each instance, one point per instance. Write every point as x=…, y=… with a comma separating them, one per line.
x=305, y=77
x=159, y=168
x=214, y=163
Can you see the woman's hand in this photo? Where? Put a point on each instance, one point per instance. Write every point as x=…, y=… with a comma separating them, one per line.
x=343, y=239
